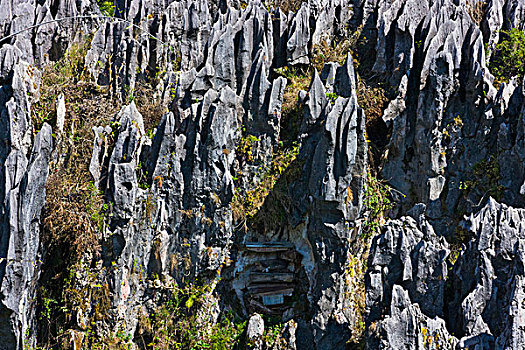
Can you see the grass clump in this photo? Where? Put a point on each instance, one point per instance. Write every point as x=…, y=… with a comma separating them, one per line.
x=179, y=323
x=484, y=180
x=377, y=202
x=335, y=51
x=286, y=6
x=75, y=211
x=356, y=298
x=246, y=206
x=292, y=112
x=508, y=59
x=476, y=10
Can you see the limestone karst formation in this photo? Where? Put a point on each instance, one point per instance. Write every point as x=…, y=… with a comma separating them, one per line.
x=228, y=174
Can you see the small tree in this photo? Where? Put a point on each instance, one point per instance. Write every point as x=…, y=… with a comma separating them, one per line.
x=509, y=56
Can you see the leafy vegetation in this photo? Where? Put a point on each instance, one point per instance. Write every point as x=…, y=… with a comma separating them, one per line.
x=508, y=59
x=246, y=205
x=180, y=324
x=332, y=97
x=484, y=181
x=245, y=147
x=272, y=336
x=106, y=7
x=377, y=202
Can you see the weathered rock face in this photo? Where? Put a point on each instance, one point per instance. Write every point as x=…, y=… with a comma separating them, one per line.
x=408, y=253
x=326, y=196
x=406, y=327
x=488, y=277
x=413, y=300
x=193, y=159
x=23, y=173
x=447, y=119
x=454, y=141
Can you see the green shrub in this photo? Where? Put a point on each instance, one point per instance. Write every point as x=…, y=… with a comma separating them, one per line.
x=178, y=324
x=106, y=7
x=508, y=59
x=376, y=202
x=484, y=180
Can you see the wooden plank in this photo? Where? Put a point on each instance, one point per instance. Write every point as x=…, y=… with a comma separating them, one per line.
x=261, y=308
x=269, y=300
x=287, y=292
x=260, y=288
x=261, y=277
x=272, y=264
x=268, y=247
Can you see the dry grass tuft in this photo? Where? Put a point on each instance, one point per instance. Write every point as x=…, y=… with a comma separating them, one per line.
x=356, y=293
x=333, y=52
x=286, y=5
x=476, y=9
x=373, y=101
x=150, y=107
x=72, y=213
x=75, y=214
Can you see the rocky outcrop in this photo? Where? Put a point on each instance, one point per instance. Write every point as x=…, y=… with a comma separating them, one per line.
x=446, y=115
x=328, y=200
x=22, y=179
x=414, y=301
x=487, y=279
x=406, y=327
x=191, y=164
x=172, y=193
x=408, y=253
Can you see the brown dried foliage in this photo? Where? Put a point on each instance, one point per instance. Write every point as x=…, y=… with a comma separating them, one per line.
x=330, y=52
x=286, y=5
x=72, y=202
x=476, y=9
x=150, y=107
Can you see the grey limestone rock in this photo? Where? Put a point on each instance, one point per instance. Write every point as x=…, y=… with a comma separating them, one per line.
x=406, y=327
x=407, y=253
x=487, y=279
x=413, y=300
x=169, y=198
x=22, y=179
x=255, y=328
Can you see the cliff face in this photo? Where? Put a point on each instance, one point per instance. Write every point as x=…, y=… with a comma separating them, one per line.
x=172, y=170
